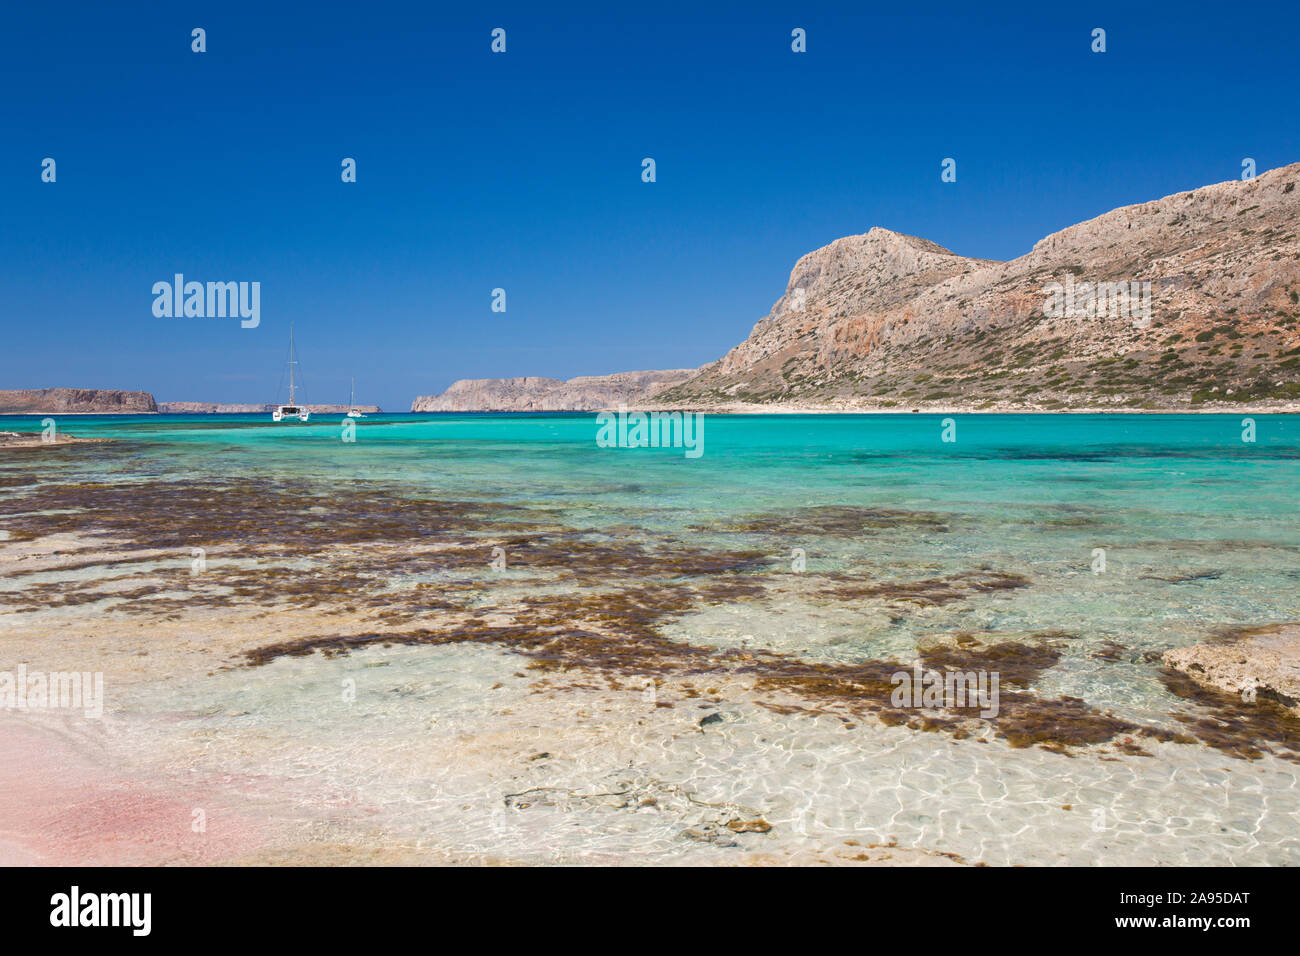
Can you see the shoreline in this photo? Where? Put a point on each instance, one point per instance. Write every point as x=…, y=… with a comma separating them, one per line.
x=942, y=410
x=720, y=410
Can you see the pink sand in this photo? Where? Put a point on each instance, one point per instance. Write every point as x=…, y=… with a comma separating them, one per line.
x=58, y=806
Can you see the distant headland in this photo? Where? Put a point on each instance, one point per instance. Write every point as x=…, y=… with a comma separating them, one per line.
x=75, y=401
x=107, y=401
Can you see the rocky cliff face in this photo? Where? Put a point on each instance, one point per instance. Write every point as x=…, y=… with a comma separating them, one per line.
x=75, y=401
x=587, y=393
x=885, y=320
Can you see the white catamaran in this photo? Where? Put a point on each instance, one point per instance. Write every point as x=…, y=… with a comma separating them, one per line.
x=292, y=410
x=353, y=412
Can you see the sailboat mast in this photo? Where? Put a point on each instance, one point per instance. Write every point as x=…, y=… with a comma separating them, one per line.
x=292, y=363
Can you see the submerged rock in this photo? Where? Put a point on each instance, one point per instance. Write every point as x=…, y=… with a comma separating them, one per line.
x=1260, y=664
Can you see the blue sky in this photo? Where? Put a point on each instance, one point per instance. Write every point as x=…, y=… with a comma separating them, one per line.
x=523, y=170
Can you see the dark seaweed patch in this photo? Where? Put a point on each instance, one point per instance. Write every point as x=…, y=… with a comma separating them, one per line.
x=1068, y=721
x=596, y=603
x=928, y=592
x=1015, y=663
x=841, y=521
x=1234, y=726
x=283, y=515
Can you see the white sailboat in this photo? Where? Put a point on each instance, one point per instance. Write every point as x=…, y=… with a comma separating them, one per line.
x=292, y=410
x=352, y=402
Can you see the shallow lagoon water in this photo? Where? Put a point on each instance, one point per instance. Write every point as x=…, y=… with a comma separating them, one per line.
x=1200, y=534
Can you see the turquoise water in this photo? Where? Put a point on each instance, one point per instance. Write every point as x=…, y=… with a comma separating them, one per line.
x=1166, y=496
x=1199, y=530
x=1172, y=459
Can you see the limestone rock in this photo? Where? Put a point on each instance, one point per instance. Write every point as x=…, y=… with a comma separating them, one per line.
x=1265, y=662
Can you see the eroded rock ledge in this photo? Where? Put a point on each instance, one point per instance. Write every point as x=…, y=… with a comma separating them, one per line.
x=1260, y=664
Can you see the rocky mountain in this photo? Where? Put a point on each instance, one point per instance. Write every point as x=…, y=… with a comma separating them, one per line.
x=551, y=394
x=75, y=401
x=886, y=321
x=217, y=408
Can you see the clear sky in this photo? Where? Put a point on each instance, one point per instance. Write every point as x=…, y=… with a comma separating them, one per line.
x=522, y=170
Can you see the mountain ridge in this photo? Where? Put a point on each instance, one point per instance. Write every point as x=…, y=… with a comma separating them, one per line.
x=889, y=321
